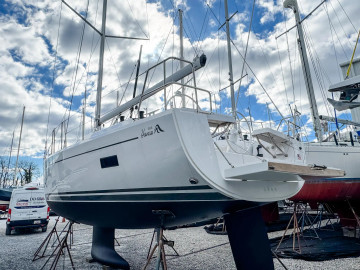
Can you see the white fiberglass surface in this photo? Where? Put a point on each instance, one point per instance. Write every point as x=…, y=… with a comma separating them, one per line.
x=210, y=164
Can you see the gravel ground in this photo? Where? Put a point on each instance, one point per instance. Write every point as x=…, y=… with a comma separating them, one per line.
x=198, y=250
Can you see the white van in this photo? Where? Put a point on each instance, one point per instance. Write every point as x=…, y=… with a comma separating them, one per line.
x=27, y=209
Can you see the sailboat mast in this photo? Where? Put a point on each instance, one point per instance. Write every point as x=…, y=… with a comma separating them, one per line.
x=8, y=166
x=17, y=158
x=232, y=92
x=292, y=4
x=101, y=64
x=182, y=57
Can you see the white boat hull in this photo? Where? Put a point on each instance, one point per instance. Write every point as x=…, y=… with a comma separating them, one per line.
x=165, y=162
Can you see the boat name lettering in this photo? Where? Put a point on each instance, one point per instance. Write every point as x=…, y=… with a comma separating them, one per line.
x=151, y=131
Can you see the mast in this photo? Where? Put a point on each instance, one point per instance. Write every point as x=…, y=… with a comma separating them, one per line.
x=136, y=78
x=17, y=158
x=233, y=107
x=181, y=57
x=100, y=71
x=83, y=116
x=292, y=4
x=8, y=166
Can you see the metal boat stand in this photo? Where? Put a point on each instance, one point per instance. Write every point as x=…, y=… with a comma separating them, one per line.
x=53, y=234
x=161, y=241
x=61, y=249
x=296, y=231
x=354, y=213
x=71, y=234
x=304, y=220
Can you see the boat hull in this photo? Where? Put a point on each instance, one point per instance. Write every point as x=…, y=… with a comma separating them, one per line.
x=329, y=190
x=5, y=196
x=139, y=215
x=332, y=189
x=164, y=162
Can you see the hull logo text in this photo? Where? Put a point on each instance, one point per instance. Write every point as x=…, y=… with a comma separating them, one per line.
x=151, y=131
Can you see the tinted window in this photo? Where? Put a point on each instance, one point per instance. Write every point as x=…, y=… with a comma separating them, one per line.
x=107, y=162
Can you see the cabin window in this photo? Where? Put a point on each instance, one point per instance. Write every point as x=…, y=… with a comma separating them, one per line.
x=107, y=162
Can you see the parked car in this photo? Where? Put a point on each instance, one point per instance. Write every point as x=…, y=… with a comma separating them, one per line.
x=27, y=209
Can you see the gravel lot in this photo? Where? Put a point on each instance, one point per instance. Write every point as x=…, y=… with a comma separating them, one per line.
x=198, y=250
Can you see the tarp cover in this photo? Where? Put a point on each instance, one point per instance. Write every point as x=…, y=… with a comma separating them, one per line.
x=331, y=245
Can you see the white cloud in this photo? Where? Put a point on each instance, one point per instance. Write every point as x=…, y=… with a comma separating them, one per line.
x=27, y=51
x=272, y=7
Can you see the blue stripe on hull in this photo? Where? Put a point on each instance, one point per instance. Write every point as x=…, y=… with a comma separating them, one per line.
x=340, y=179
x=143, y=197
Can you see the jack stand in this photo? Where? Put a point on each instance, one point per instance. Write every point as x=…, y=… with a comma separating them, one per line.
x=296, y=231
x=161, y=241
x=303, y=218
x=166, y=242
x=71, y=234
x=116, y=242
x=59, y=249
x=223, y=230
x=46, y=242
x=354, y=213
x=280, y=261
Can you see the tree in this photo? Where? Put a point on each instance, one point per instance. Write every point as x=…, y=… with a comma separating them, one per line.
x=5, y=178
x=28, y=170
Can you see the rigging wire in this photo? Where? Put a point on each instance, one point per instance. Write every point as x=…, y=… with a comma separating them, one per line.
x=193, y=28
x=347, y=16
x=147, y=18
x=289, y=56
x=137, y=22
x=127, y=84
x=282, y=73
x=246, y=49
x=247, y=64
x=332, y=38
x=77, y=65
x=201, y=31
x=349, y=42
x=53, y=78
x=112, y=60
x=331, y=24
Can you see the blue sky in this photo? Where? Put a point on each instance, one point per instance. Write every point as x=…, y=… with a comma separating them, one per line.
x=29, y=33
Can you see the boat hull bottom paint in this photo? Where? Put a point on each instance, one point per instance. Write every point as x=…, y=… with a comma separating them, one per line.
x=248, y=240
x=103, y=251
x=139, y=215
x=329, y=190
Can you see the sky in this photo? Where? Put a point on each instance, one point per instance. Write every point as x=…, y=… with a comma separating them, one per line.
x=43, y=68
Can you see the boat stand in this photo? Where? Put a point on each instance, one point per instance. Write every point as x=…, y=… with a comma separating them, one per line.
x=296, y=231
x=161, y=241
x=64, y=230
x=61, y=249
x=53, y=234
x=354, y=213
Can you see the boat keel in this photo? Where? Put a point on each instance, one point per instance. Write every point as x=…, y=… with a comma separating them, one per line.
x=248, y=240
x=103, y=251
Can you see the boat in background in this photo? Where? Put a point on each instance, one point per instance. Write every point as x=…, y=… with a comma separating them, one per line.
x=344, y=152
x=5, y=195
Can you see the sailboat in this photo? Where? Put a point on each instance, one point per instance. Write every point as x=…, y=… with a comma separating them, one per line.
x=5, y=195
x=6, y=191
x=175, y=165
x=343, y=154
